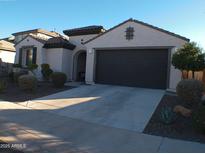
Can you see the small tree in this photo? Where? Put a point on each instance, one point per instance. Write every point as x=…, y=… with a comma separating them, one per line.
x=189, y=57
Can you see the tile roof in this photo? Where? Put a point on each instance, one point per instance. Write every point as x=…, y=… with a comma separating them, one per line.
x=84, y=30
x=59, y=42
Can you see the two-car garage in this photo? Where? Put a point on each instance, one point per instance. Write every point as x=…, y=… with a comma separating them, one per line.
x=135, y=54
x=145, y=68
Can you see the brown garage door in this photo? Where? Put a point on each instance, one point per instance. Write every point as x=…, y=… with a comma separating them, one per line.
x=145, y=68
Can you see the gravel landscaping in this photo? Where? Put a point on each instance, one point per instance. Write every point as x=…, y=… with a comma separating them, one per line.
x=182, y=128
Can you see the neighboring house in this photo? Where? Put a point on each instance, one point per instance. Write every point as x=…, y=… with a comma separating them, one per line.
x=132, y=53
x=7, y=51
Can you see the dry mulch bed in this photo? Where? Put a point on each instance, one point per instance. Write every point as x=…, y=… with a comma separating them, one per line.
x=14, y=94
x=181, y=129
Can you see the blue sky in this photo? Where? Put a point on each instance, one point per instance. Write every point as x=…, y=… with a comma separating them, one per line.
x=184, y=17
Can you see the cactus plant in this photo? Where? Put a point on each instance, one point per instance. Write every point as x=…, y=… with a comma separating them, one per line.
x=167, y=115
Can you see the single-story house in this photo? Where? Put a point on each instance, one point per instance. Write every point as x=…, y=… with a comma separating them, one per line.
x=7, y=51
x=132, y=53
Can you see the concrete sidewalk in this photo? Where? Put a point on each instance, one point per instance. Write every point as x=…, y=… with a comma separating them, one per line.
x=43, y=131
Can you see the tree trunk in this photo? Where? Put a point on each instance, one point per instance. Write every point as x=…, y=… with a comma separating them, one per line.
x=190, y=75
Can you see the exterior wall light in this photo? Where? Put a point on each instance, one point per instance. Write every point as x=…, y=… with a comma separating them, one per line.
x=90, y=51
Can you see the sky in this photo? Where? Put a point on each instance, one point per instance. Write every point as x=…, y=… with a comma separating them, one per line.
x=184, y=17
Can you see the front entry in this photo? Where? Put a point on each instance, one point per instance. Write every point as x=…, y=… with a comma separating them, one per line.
x=80, y=66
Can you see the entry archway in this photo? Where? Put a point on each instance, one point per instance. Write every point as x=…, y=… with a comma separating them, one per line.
x=79, y=66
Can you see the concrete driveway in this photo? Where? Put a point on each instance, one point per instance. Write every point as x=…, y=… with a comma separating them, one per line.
x=120, y=107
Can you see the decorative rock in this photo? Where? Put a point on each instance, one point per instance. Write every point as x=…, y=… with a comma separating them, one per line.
x=182, y=110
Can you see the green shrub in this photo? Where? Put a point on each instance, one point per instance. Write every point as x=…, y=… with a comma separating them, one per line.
x=3, y=85
x=198, y=119
x=16, y=75
x=27, y=82
x=167, y=116
x=46, y=71
x=17, y=65
x=190, y=91
x=45, y=66
x=58, y=79
x=32, y=67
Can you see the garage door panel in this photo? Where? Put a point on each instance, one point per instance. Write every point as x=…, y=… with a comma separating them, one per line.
x=143, y=68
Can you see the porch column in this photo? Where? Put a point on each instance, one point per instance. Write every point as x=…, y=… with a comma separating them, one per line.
x=90, y=66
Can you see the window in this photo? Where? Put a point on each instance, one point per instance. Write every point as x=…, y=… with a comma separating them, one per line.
x=27, y=56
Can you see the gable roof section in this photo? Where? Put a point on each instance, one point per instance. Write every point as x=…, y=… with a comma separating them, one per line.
x=84, y=30
x=142, y=23
x=41, y=40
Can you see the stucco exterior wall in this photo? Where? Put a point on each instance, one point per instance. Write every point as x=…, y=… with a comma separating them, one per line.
x=60, y=60
x=54, y=58
x=143, y=37
x=67, y=63
x=7, y=56
x=78, y=39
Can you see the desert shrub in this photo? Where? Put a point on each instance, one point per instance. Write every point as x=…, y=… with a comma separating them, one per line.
x=16, y=75
x=190, y=91
x=198, y=119
x=27, y=82
x=58, y=79
x=167, y=116
x=46, y=71
x=3, y=85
